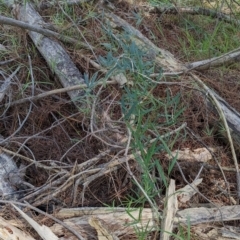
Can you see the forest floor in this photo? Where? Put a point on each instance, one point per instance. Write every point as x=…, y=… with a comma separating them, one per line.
x=54, y=132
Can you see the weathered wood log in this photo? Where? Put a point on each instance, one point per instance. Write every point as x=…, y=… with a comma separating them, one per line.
x=56, y=57
x=207, y=215
x=118, y=221
x=124, y=221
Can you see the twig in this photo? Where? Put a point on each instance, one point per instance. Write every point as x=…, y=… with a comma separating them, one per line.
x=184, y=125
x=7, y=61
x=153, y=75
x=226, y=58
x=83, y=166
x=77, y=28
x=49, y=196
x=85, y=176
x=92, y=122
x=28, y=159
x=46, y=187
x=45, y=32
x=104, y=169
x=55, y=91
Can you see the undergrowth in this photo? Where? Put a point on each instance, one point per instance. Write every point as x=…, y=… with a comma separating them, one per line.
x=138, y=118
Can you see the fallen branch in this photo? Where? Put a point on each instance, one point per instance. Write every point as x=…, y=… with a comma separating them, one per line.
x=122, y=221
x=225, y=59
x=41, y=29
x=195, y=216
x=78, y=218
x=196, y=11
x=55, y=91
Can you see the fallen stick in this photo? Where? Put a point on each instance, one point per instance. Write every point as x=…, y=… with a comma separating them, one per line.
x=56, y=57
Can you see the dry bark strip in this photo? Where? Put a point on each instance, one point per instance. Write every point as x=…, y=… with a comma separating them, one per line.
x=56, y=57
x=206, y=215
x=169, y=211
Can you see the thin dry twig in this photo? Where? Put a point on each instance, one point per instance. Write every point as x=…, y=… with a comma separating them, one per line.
x=45, y=32
x=87, y=165
x=29, y=160
x=184, y=125
x=56, y=91
x=103, y=169
x=43, y=199
x=46, y=188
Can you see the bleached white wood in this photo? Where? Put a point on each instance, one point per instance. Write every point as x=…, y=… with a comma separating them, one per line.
x=170, y=209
